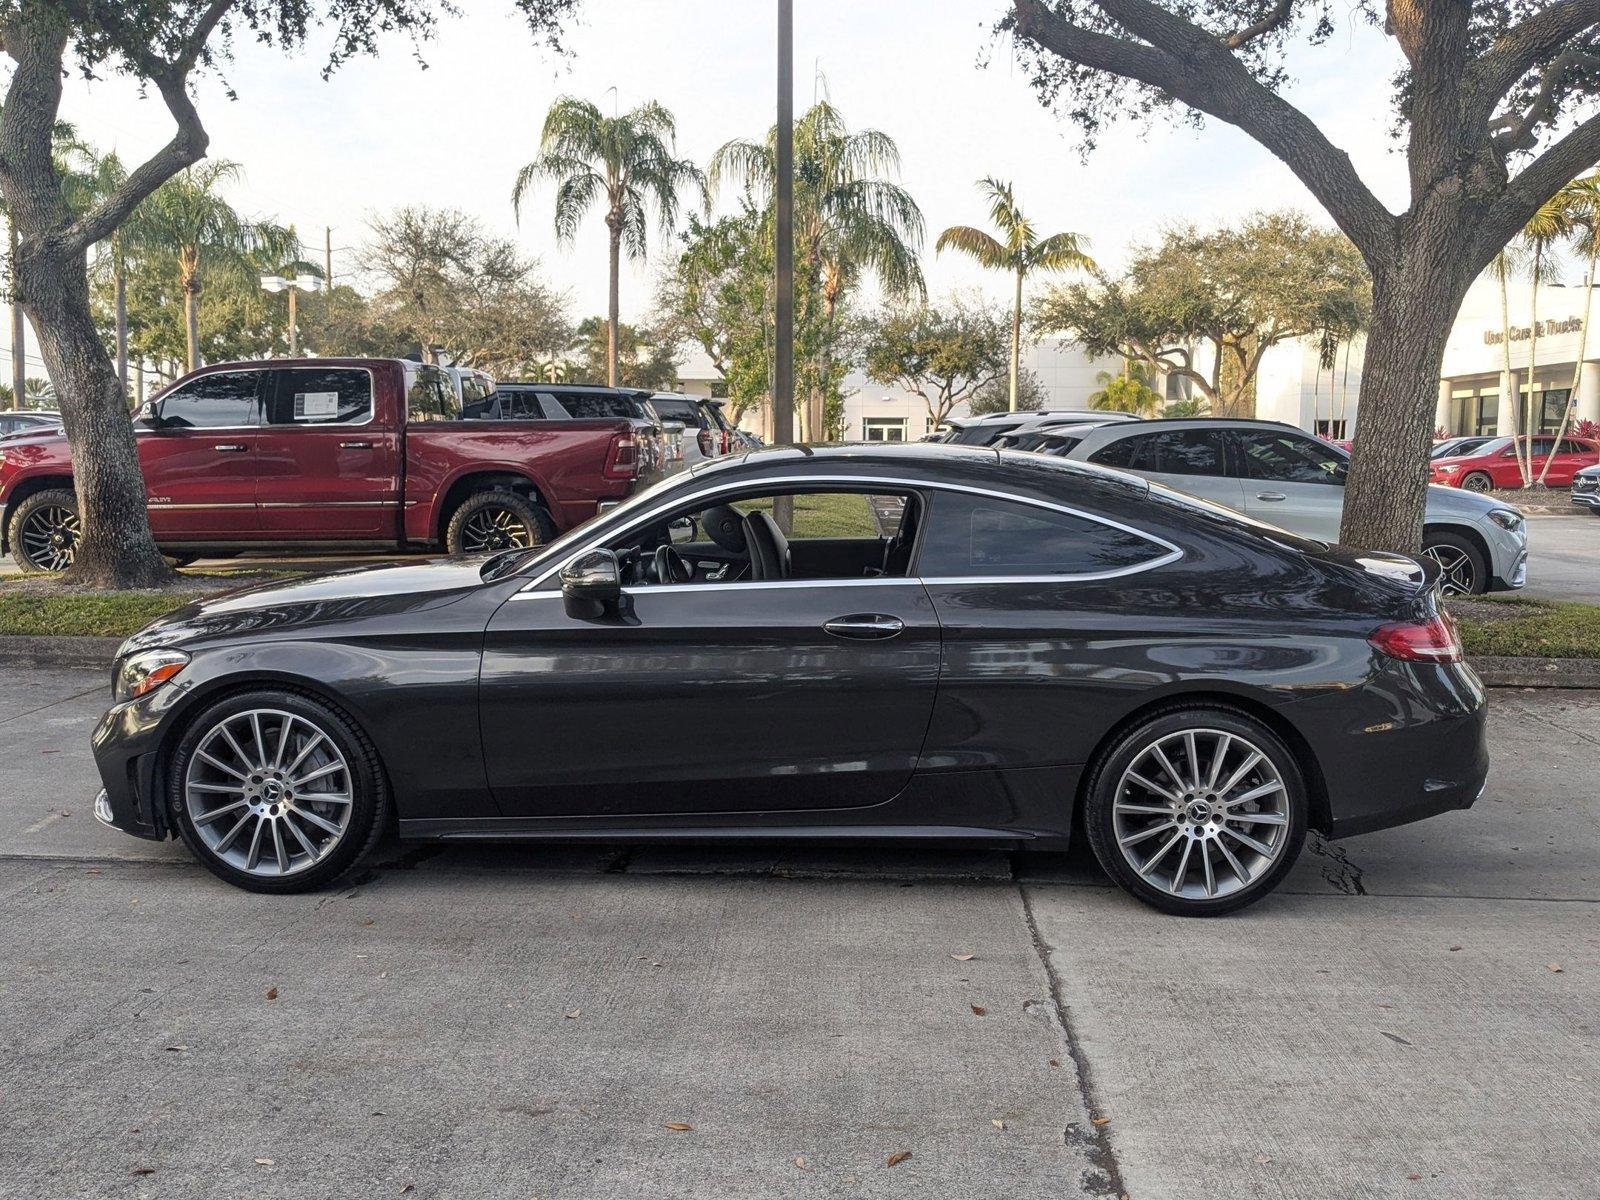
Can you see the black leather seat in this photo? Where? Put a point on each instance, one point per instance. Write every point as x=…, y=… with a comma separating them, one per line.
x=769, y=549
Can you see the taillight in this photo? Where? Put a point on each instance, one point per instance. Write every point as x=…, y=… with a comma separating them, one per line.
x=622, y=460
x=1424, y=641
x=727, y=441
x=703, y=439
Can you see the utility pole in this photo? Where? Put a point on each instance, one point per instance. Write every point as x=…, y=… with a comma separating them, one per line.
x=783, y=364
x=327, y=257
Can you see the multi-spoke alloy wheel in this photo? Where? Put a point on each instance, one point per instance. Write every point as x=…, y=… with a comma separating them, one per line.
x=1461, y=569
x=1197, y=811
x=275, y=792
x=268, y=792
x=494, y=529
x=48, y=537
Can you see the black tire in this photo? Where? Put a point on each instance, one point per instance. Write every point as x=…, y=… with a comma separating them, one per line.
x=1466, y=570
x=1100, y=799
x=1477, y=481
x=370, y=802
x=41, y=515
x=526, y=523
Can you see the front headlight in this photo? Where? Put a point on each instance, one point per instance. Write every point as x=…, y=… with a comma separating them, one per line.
x=1507, y=518
x=142, y=673
x=1449, y=468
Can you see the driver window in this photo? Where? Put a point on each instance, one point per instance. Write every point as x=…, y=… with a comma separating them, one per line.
x=744, y=539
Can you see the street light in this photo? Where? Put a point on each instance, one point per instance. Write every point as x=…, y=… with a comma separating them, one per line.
x=299, y=283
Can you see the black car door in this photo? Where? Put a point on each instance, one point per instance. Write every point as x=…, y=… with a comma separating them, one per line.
x=709, y=697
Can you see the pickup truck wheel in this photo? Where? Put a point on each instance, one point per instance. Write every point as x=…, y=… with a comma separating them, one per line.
x=44, y=532
x=497, y=520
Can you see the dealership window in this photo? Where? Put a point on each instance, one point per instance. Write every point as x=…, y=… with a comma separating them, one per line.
x=1484, y=411
x=883, y=429
x=1331, y=429
x=1553, y=404
x=322, y=396
x=979, y=536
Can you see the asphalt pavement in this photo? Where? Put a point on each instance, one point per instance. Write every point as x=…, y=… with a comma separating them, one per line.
x=1413, y=1014
x=1564, y=557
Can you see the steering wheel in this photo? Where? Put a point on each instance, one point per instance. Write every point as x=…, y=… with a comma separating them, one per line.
x=671, y=567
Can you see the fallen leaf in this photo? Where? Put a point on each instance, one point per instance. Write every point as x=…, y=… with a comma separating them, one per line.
x=1453, y=949
x=369, y=921
x=573, y=1014
x=1102, y=1121
x=1554, y=968
x=898, y=1157
x=1263, y=1159
x=144, y=1170
x=978, y=1010
x=263, y=1162
x=997, y=1123
x=272, y=993
x=800, y=1161
x=678, y=1126
x=1054, y=1063
x=962, y=957
x=576, y=916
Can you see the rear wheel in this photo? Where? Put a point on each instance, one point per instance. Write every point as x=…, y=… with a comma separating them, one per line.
x=497, y=520
x=44, y=532
x=1197, y=811
x=1462, y=569
x=1477, y=481
x=276, y=792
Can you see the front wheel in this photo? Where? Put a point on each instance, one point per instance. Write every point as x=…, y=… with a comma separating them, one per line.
x=1462, y=568
x=1198, y=811
x=1477, y=481
x=44, y=532
x=497, y=520
x=274, y=791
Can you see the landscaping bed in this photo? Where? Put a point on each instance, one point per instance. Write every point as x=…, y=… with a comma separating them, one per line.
x=1543, y=500
x=1527, y=628
x=46, y=607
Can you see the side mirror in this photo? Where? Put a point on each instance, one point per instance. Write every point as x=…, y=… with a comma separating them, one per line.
x=591, y=586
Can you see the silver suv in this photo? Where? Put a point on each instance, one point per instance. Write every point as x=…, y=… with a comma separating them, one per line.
x=1285, y=477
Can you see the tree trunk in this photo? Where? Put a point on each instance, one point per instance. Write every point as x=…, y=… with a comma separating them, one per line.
x=116, y=549
x=19, y=341
x=613, y=296
x=1413, y=308
x=1016, y=344
x=119, y=285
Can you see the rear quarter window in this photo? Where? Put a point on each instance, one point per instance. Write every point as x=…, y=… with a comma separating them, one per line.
x=986, y=537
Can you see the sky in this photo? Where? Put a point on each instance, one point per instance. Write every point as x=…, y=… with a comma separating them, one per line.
x=384, y=131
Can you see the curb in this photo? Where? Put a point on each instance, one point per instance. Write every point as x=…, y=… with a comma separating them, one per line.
x=36, y=651
x=99, y=652
x=1537, y=672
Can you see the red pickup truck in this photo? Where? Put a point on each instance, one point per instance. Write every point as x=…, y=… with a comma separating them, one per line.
x=328, y=453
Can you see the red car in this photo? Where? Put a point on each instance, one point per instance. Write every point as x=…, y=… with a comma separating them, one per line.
x=324, y=453
x=1494, y=465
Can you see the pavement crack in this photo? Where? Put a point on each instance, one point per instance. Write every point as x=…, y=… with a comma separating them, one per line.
x=1341, y=874
x=1095, y=1140
x=53, y=704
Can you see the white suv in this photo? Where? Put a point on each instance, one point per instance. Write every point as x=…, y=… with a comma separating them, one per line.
x=1285, y=477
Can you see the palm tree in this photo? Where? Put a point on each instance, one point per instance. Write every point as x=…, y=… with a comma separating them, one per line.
x=1580, y=204
x=849, y=220
x=626, y=163
x=1547, y=226
x=188, y=218
x=1018, y=250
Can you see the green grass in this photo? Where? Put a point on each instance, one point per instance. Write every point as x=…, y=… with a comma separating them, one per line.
x=825, y=515
x=1527, y=628
x=84, y=614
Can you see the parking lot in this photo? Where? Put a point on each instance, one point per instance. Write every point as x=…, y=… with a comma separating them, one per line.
x=1413, y=1014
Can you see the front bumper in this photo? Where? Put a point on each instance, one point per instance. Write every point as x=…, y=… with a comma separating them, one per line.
x=1588, y=497
x=126, y=746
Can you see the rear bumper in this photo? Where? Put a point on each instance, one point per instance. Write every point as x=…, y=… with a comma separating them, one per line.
x=1414, y=745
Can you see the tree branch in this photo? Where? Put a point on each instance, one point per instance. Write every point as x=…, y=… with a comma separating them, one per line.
x=1273, y=20
x=1198, y=69
x=1569, y=157
x=1525, y=44
x=189, y=142
x=1513, y=132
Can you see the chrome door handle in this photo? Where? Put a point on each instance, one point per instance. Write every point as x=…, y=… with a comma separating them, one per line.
x=864, y=626
x=355, y=445
x=230, y=447
x=1271, y=496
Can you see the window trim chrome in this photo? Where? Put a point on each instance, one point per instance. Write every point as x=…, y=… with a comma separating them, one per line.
x=1173, y=552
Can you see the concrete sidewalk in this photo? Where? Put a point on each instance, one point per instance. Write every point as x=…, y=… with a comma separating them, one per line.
x=485, y=1022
